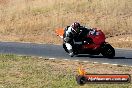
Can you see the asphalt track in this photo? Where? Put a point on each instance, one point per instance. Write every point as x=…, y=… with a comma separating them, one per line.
x=123, y=56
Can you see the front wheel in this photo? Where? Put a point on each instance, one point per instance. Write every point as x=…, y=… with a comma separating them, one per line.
x=107, y=51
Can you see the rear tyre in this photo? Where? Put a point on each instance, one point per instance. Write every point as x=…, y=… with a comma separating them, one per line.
x=107, y=51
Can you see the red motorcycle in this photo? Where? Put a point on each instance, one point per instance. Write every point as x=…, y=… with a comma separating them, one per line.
x=96, y=46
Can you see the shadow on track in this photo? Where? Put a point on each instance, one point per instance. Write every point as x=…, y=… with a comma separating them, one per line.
x=94, y=56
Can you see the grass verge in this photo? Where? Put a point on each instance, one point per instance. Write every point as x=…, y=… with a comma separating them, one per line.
x=33, y=72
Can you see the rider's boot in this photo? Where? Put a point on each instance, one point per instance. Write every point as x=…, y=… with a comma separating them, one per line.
x=71, y=53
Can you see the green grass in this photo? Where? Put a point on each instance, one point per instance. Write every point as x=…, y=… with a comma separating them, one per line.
x=33, y=72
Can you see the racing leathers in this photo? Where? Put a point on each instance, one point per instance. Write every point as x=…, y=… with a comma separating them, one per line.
x=70, y=37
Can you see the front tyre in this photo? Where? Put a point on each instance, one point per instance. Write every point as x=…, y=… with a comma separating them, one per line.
x=107, y=51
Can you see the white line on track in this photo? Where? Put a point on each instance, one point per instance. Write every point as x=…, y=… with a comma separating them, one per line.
x=124, y=65
x=105, y=63
x=66, y=59
x=95, y=62
x=85, y=61
x=40, y=57
x=76, y=60
x=52, y=58
x=114, y=64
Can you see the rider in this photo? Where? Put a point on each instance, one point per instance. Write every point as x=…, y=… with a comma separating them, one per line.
x=72, y=33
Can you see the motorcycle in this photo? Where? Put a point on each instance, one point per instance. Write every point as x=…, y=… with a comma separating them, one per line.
x=95, y=44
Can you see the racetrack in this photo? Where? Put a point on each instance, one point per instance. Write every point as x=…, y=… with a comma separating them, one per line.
x=123, y=56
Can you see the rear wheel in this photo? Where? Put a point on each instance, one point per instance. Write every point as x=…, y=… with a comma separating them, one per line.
x=107, y=51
